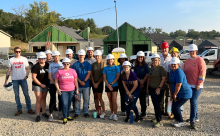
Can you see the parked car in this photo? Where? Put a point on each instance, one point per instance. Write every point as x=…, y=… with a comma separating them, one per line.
x=184, y=54
x=210, y=55
x=148, y=55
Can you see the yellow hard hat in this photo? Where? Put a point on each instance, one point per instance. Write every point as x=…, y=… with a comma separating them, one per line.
x=174, y=49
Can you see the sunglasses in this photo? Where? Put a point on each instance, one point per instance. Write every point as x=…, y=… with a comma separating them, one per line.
x=42, y=58
x=17, y=51
x=66, y=63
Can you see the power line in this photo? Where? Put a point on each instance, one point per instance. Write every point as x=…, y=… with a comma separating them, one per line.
x=92, y=12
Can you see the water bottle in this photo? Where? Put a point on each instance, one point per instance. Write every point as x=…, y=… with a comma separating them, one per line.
x=131, y=117
x=147, y=100
x=169, y=107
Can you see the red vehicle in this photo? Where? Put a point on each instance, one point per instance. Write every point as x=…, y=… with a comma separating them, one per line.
x=216, y=67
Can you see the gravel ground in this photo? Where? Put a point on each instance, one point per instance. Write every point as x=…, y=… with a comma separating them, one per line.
x=209, y=107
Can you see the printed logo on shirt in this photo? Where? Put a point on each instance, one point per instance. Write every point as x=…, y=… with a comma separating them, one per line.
x=18, y=63
x=67, y=74
x=42, y=71
x=142, y=69
x=194, y=64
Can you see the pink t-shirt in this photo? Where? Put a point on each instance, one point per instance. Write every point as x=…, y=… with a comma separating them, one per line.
x=66, y=79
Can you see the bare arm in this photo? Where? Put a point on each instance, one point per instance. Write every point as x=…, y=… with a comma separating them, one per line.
x=50, y=77
x=162, y=82
x=7, y=75
x=116, y=79
x=34, y=78
x=27, y=72
x=57, y=85
x=88, y=75
x=76, y=86
x=135, y=83
x=145, y=78
x=148, y=81
x=104, y=78
x=177, y=88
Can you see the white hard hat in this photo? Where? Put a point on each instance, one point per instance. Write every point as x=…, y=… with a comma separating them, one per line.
x=126, y=63
x=174, y=60
x=122, y=55
x=97, y=53
x=193, y=47
x=66, y=60
x=81, y=52
x=9, y=86
x=140, y=53
x=41, y=55
x=69, y=51
x=110, y=56
x=55, y=53
x=90, y=49
x=155, y=55
x=48, y=52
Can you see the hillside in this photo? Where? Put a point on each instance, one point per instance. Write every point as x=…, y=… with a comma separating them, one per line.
x=18, y=43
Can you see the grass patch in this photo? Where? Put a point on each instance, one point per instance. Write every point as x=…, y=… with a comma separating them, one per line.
x=18, y=43
x=96, y=36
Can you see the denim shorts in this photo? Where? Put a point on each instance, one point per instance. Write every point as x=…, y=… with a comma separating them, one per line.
x=39, y=89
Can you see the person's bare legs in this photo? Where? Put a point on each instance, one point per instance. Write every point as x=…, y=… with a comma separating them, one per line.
x=96, y=100
x=110, y=100
x=38, y=102
x=114, y=102
x=101, y=101
x=43, y=102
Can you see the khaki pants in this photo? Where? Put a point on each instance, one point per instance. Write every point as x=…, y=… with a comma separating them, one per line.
x=165, y=99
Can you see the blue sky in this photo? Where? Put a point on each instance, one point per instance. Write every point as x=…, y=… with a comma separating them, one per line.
x=170, y=15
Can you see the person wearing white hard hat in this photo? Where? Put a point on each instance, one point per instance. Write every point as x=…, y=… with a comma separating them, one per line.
x=141, y=69
x=49, y=56
x=53, y=68
x=111, y=74
x=180, y=91
x=132, y=90
x=195, y=70
x=83, y=70
x=90, y=54
x=40, y=84
x=97, y=81
x=122, y=58
x=19, y=68
x=69, y=54
x=165, y=57
x=155, y=87
x=66, y=84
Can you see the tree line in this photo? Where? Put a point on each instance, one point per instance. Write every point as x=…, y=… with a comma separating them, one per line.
x=27, y=22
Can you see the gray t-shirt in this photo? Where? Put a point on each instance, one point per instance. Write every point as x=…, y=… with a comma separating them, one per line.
x=91, y=61
x=53, y=68
x=72, y=62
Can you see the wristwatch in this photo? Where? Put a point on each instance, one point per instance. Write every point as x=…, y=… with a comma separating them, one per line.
x=111, y=84
x=84, y=80
x=26, y=76
x=159, y=87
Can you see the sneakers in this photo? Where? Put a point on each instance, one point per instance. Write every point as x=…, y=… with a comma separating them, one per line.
x=60, y=116
x=111, y=117
x=76, y=116
x=154, y=120
x=50, y=118
x=193, y=125
x=38, y=119
x=102, y=115
x=31, y=111
x=175, y=122
x=143, y=115
x=137, y=119
x=18, y=113
x=126, y=119
x=188, y=120
x=86, y=115
x=123, y=113
x=64, y=121
x=158, y=124
x=115, y=117
x=179, y=124
x=45, y=115
x=69, y=118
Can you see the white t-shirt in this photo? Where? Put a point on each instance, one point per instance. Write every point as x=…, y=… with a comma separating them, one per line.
x=18, y=71
x=165, y=62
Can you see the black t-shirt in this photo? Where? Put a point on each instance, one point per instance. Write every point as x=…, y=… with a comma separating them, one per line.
x=42, y=73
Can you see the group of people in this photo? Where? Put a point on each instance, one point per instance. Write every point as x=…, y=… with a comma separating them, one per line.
x=165, y=79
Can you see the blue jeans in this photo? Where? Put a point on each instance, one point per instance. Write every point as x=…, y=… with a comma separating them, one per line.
x=24, y=86
x=133, y=106
x=193, y=104
x=176, y=109
x=66, y=98
x=85, y=92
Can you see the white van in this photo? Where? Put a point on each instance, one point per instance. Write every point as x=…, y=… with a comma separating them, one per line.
x=210, y=55
x=184, y=54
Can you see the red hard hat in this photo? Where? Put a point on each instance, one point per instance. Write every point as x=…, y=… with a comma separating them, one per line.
x=164, y=45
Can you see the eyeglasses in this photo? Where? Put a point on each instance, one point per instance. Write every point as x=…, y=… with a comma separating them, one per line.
x=155, y=60
x=17, y=51
x=66, y=63
x=42, y=58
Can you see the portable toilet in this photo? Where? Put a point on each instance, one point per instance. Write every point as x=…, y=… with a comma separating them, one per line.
x=116, y=52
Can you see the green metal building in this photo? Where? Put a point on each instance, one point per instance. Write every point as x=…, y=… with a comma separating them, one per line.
x=130, y=39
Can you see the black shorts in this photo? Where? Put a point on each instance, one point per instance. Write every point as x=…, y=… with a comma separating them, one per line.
x=99, y=89
x=115, y=89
